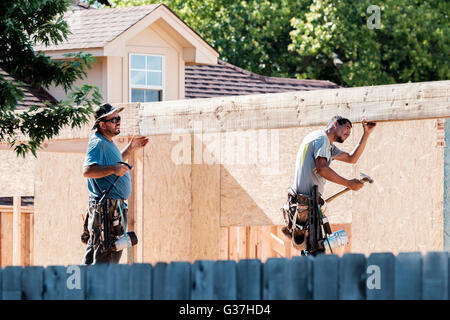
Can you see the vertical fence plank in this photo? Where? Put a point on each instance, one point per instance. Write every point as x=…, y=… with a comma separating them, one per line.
x=225, y=280
x=408, y=276
x=12, y=283
x=380, y=276
x=178, y=281
x=33, y=283
x=275, y=279
x=299, y=286
x=435, y=276
x=352, y=270
x=119, y=281
x=248, y=273
x=98, y=283
x=325, y=277
x=159, y=281
x=141, y=281
x=202, y=280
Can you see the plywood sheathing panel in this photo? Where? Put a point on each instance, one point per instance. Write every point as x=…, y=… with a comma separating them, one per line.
x=61, y=197
x=403, y=209
x=205, y=225
x=259, y=167
x=167, y=203
x=17, y=174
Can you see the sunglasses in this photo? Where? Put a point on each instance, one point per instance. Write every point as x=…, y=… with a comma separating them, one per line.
x=113, y=120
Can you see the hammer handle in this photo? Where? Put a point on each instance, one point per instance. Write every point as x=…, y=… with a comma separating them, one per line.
x=337, y=195
x=334, y=196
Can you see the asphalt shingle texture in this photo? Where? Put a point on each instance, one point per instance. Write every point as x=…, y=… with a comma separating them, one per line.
x=225, y=79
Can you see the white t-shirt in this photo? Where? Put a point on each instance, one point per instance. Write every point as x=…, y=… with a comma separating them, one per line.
x=315, y=144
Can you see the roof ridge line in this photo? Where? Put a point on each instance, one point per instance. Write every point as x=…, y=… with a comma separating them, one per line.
x=269, y=79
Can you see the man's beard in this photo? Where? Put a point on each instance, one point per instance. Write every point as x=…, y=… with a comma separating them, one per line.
x=339, y=139
x=114, y=132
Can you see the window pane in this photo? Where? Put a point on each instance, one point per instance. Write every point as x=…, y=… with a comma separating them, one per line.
x=152, y=95
x=138, y=77
x=137, y=95
x=137, y=62
x=154, y=78
x=154, y=63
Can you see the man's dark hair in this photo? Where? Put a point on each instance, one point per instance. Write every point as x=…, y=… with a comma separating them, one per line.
x=340, y=120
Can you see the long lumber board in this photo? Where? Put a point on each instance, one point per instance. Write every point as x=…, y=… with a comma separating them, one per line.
x=411, y=101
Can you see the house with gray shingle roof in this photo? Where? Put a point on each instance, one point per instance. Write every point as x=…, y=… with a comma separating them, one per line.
x=148, y=53
x=145, y=54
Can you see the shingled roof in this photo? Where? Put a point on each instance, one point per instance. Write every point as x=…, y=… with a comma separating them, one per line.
x=94, y=28
x=225, y=79
x=32, y=96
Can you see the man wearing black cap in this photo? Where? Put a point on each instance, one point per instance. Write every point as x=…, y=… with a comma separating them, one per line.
x=101, y=167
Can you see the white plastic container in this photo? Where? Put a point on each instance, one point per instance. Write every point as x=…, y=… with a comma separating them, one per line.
x=336, y=239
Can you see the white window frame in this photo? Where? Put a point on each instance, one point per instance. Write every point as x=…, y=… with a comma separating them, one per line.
x=163, y=70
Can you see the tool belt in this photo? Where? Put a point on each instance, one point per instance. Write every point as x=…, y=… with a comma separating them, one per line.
x=93, y=228
x=302, y=223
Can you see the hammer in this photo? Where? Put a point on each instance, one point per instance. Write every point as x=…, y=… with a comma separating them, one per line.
x=364, y=178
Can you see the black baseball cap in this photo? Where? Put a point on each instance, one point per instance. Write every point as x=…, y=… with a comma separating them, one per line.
x=103, y=111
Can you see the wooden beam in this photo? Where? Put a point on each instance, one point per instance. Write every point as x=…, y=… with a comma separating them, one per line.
x=411, y=101
x=139, y=202
x=62, y=146
x=17, y=234
x=10, y=209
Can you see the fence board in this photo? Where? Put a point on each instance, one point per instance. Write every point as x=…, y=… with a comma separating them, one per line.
x=325, y=277
x=33, y=283
x=202, y=280
x=380, y=276
x=435, y=276
x=159, y=281
x=382, y=287
x=141, y=281
x=248, y=273
x=178, y=281
x=225, y=280
x=299, y=286
x=275, y=280
x=408, y=276
x=98, y=283
x=352, y=270
x=12, y=283
x=119, y=277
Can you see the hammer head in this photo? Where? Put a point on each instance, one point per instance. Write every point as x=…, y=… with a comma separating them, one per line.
x=366, y=178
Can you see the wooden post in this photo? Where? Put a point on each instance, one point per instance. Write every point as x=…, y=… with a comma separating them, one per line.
x=139, y=203
x=17, y=234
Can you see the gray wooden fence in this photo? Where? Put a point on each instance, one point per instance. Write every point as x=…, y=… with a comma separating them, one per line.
x=353, y=276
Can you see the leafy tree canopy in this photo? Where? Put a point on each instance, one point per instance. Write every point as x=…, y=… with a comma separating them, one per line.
x=23, y=24
x=324, y=39
x=339, y=40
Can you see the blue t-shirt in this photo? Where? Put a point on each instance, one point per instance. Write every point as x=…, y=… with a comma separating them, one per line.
x=103, y=152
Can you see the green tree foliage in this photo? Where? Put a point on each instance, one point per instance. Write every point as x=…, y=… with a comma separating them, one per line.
x=324, y=39
x=24, y=23
x=335, y=41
